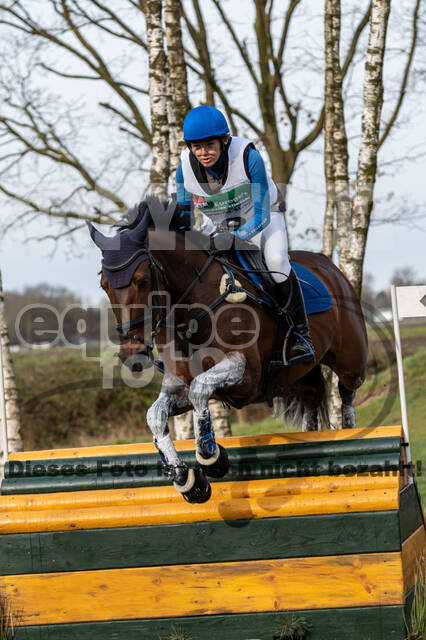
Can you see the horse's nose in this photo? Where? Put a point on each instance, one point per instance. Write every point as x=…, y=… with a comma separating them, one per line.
x=136, y=362
x=136, y=367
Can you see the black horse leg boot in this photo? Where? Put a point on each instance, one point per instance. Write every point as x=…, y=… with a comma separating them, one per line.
x=290, y=296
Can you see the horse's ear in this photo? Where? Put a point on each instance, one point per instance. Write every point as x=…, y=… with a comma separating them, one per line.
x=103, y=242
x=157, y=210
x=139, y=231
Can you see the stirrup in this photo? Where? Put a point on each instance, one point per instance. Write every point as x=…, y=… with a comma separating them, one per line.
x=304, y=356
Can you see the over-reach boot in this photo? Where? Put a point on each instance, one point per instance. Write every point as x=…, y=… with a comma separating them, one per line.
x=290, y=297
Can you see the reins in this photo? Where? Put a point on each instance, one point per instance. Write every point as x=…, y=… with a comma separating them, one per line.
x=185, y=330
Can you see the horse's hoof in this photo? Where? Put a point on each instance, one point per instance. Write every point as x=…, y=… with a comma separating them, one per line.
x=217, y=466
x=197, y=488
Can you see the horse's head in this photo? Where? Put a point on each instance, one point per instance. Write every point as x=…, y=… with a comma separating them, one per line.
x=127, y=278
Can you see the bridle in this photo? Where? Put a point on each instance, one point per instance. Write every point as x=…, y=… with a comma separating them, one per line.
x=124, y=328
x=184, y=330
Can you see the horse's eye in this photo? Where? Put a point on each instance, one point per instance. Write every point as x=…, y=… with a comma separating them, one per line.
x=142, y=283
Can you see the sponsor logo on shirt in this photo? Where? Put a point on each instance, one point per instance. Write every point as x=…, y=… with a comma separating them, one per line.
x=200, y=201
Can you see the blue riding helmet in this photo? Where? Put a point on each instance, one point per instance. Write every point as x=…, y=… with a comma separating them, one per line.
x=204, y=122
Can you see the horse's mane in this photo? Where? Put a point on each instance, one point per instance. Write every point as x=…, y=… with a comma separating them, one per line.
x=152, y=208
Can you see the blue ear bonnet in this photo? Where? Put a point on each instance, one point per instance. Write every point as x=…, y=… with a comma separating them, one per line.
x=123, y=262
x=123, y=253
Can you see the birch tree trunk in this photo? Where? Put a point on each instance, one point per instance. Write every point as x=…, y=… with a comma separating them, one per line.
x=220, y=418
x=177, y=89
x=370, y=135
x=160, y=168
x=335, y=166
x=352, y=220
x=329, y=214
x=336, y=135
x=178, y=107
x=11, y=396
x=162, y=141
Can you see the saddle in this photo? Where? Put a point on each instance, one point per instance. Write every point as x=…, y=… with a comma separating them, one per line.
x=316, y=296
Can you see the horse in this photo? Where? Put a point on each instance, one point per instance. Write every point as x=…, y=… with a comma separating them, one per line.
x=213, y=345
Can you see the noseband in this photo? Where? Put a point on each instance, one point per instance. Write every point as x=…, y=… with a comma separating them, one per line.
x=184, y=330
x=124, y=328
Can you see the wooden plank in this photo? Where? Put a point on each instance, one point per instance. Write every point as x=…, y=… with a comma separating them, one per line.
x=375, y=623
x=213, y=510
x=366, y=580
x=265, y=454
x=262, y=539
x=234, y=441
x=410, y=510
x=375, y=465
x=413, y=551
x=168, y=494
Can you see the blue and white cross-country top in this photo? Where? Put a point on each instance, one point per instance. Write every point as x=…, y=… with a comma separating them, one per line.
x=247, y=191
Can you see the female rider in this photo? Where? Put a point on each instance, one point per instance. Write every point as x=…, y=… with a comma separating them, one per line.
x=225, y=178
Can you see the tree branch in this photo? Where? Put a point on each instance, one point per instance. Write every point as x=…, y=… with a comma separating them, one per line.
x=355, y=39
x=99, y=218
x=133, y=35
x=314, y=133
x=241, y=49
x=97, y=64
x=74, y=76
x=288, y=16
x=405, y=77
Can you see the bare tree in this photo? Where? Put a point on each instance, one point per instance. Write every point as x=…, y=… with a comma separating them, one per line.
x=349, y=199
x=178, y=100
x=76, y=41
x=158, y=98
x=336, y=156
x=11, y=395
x=164, y=113
x=352, y=203
x=352, y=256
x=45, y=136
x=405, y=277
x=279, y=125
x=178, y=107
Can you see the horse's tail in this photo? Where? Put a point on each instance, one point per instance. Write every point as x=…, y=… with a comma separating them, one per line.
x=323, y=415
x=291, y=408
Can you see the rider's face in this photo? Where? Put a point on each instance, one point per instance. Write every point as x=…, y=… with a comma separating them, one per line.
x=207, y=152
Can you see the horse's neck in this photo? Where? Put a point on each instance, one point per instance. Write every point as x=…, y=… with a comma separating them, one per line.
x=181, y=265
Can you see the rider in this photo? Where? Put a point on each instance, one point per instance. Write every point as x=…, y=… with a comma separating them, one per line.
x=225, y=178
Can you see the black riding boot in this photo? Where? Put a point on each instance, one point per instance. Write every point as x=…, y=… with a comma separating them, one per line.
x=302, y=347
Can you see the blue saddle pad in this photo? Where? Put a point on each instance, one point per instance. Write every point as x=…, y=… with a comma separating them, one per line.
x=315, y=295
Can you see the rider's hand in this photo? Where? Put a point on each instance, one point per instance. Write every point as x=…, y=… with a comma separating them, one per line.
x=221, y=242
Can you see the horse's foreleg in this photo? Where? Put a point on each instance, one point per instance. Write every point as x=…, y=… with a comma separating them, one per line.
x=227, y=373
x=173, y=393
x=173, y=397
x=348, y=409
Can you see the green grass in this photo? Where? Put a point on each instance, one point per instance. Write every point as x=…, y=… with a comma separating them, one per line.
x=406, y=330
x=417, y=622
x=64, y=402
x=384, y=409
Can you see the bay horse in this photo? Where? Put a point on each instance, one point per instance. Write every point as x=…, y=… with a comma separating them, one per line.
x=213, y=348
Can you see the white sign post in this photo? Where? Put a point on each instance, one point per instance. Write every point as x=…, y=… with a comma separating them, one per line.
x=407, y=302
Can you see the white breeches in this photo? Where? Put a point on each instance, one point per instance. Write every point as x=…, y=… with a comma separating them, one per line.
x=272, y=241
